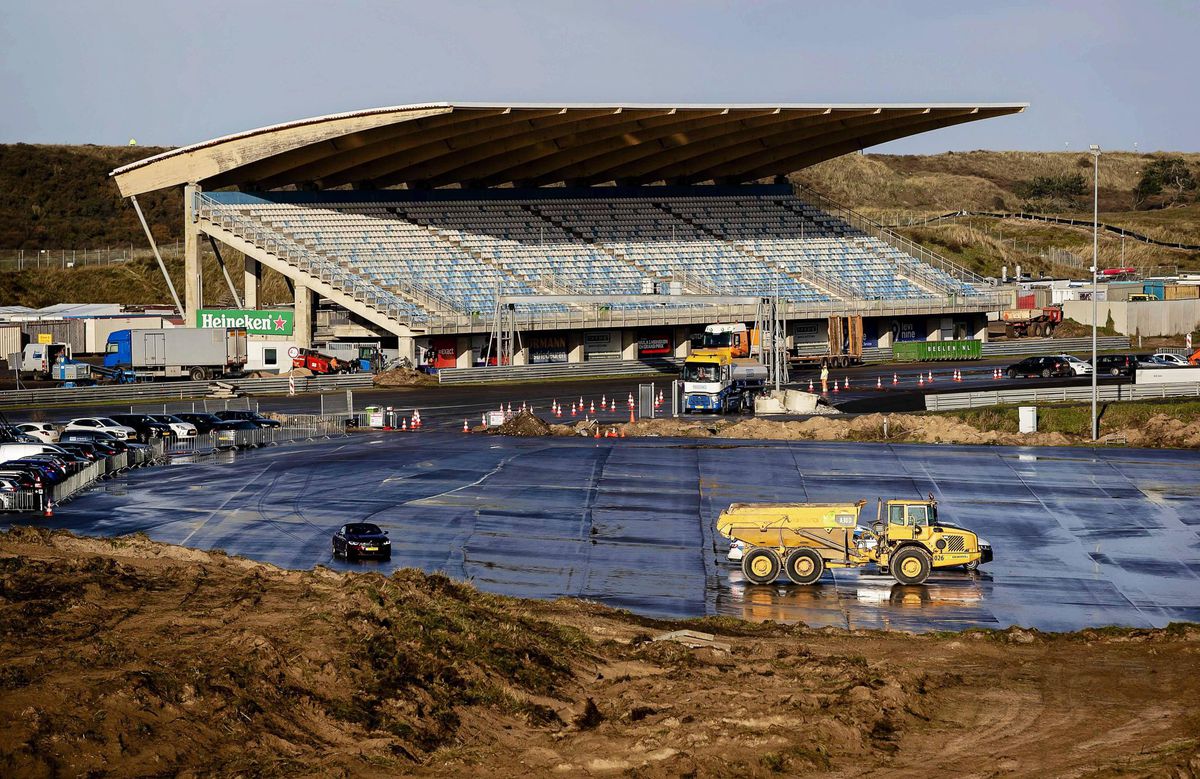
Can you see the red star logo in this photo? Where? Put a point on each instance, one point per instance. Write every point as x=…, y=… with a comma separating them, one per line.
x=279, y=323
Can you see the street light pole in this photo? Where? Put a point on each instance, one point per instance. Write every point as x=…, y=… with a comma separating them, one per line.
x=1095, y=267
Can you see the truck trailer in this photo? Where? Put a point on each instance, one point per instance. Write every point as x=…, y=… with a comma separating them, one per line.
x=198, y=353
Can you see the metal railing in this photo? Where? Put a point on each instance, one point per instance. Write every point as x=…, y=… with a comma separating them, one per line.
x=179, y=389
x=515, y=373
x=873, y=228
x=299, y=256
x=295, y=427
x=1107, y=393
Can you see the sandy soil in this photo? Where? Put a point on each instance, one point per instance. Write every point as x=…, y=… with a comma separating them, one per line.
x=403, y=377
x=1160, y=431
x=126, y=657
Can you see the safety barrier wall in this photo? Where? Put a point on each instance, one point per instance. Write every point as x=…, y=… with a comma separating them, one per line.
x=1109, y=392
x=177, y=389
x=574, y=370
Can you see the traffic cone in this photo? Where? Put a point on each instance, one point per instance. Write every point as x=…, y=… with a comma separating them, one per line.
x=558, y=412
x=895, y=378
x=920, y=380
x=592, y=408
x=930, y=379
x=404, y=425
x=631, y=400
x=612, y=405
x=510, y=409
x=597, y=432
x=878, y=382
x=48, y=511
x=465, y=428
x=573, y=411
x=631, y=416
x=604, y=400
x=622, y=432
x=416, y=417
x=958, y=375
x=996, y=373
x=810, y=385
x=846, y=383
x=835, y=386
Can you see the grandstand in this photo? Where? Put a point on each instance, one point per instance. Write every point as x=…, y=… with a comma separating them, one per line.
x=427, y=220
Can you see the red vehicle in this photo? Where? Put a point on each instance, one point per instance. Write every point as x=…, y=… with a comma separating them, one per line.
x=320, y=363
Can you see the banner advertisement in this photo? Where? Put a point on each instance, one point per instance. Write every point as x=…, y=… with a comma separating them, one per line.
x=654, y=345
x=547, y=349
x=254, y=321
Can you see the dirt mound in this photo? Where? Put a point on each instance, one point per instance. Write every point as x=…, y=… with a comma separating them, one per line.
x=298, y=372
x=132, y=658
x=523, y=424
x=1163, y=430
x=403, y=377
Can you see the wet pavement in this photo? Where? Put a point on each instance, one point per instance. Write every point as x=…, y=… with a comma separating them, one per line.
x=1082, y=537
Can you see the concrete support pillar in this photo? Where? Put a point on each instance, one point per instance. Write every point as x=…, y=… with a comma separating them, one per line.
x=885, y=333
x=521, y=356
x=981, y=328
x=464, y=357
x=933, y=329
x=305, y=304
x=406, y=347
x=629, y=344
x=574, y=346
x=193, y=292
x=683, y=346
x=252, y=280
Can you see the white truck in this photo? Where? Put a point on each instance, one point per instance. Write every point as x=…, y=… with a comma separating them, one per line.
x=37, y=361
x=199, y=353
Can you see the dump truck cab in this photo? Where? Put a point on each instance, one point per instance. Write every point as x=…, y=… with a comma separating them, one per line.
x=801, y=540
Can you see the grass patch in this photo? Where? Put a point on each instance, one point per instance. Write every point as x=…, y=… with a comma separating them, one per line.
x=1075, y=419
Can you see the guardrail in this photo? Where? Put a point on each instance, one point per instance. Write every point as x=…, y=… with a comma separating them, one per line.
x=515, y=373
x=1107, y=393
x=177, y=390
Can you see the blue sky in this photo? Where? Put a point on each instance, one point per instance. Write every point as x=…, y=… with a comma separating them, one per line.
x=167, y=72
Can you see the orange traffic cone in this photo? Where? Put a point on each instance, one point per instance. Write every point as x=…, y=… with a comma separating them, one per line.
x=604, y=399
x=835, y=386
x=846, y=383
x=930, y=379
x=920, y=380
x=48, y=511
x=597, y=432
x=404, y=425
x=996, y=373
x=810, y=385
x=622, y=432
x=612, y=405
x=631, y=400
x=878, y=382
x=465, y=428
x=895, y=378
x=592, y=408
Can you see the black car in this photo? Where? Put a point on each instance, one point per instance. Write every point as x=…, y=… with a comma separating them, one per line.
x=1040, y=366
x=84, y=449
x=362, y=539
x=147, y=429
x=204, y=423
x=106, y=441
x=237, y=433
x=253, y=417
x=1117, y=364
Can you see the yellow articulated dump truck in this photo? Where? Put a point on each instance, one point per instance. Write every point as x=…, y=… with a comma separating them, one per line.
x=801, y=540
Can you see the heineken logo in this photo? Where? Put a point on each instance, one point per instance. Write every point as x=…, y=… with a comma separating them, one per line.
x=253, y=321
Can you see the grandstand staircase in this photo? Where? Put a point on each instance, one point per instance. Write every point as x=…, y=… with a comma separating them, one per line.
x=690, y=283
x=826, y=284
x=303, y=265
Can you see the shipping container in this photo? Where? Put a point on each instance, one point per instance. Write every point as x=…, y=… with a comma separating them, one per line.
x=12, y=340
x=1155, y=289
x=1180, y=292
x=926, y=351
x=60, y=331
x=1027, y=300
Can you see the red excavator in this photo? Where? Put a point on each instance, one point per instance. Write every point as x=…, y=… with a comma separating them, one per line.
x=320, y=363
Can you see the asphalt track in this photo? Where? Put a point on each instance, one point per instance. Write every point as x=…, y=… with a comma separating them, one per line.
x=1082, y=537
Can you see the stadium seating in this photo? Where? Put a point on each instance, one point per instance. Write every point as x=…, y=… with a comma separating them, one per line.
x=464, y=251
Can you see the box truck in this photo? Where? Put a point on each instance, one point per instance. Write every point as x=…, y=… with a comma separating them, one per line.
x=178, y=351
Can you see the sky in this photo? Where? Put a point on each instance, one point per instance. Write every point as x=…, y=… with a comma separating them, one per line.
x=168, y=72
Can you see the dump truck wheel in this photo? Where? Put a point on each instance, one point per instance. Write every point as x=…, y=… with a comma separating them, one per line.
x=804, y=566
x=911, y=565
x=972, y=566
x=761, y=566
x=196, y=374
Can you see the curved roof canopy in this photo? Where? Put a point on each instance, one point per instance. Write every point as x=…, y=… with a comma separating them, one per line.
x=483, y=145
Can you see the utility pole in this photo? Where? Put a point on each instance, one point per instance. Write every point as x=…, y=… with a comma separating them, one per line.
x=1095, y=267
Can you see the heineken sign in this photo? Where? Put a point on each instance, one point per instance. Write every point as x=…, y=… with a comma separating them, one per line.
x=255, y=322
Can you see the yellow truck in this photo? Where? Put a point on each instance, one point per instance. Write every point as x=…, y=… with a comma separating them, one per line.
x=801, y=540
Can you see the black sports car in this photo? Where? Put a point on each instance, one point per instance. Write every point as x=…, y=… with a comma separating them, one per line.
x=235, y=415
x=362, y=539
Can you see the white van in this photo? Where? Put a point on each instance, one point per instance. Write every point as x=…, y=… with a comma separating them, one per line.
x=274, y=356
x=17, y=451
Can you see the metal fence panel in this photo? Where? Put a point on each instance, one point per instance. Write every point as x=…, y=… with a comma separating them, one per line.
x=1107, y=393
x=180, y=390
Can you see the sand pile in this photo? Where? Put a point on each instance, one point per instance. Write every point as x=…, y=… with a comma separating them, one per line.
x=524, y=424
x=403, y=377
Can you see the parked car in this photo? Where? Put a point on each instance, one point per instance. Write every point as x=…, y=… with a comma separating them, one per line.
x=91, y=451
x=49, y=472
x=362, y=539
x=1117, y=364
x=42, y=431
x=180, y=428
x=146, y=427
x=204, y=423
x=237, y=433
x=105, y=424
x=98, y=437
x=1040, y=366
x=1078, y=367
x=249, y=416
x=1176, y=360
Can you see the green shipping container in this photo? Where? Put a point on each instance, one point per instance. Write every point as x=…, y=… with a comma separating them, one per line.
x=926, y=351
